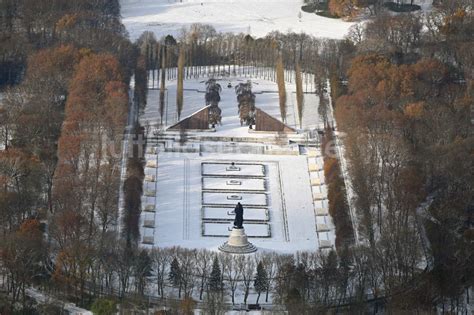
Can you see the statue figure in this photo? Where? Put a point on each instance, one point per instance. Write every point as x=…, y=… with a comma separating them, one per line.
x=237, y=242
x=239, y=216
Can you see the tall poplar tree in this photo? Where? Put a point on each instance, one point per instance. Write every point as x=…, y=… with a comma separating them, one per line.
x=280, y=72
x=162, y=82
x=299, y=93
x=179, y=90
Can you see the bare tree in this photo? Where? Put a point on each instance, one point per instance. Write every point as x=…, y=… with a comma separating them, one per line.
x=160, y=261
x=246, y=266
x=203, y=262
x=269, y=262
x=232, y=274
x=186, y=258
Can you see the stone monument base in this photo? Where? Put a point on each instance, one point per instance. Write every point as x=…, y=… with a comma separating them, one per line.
x=238, y=243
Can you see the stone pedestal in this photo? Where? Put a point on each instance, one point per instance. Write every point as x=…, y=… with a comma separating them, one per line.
x=238, y=243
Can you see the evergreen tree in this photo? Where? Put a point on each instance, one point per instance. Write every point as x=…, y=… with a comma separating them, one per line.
x=280, y=72
x=246, y=102
x=175, y=275
x=261, y=280
x=213, y=90
x=213, y=98
x=141, y=83
x=142, y=270
x=215, y=280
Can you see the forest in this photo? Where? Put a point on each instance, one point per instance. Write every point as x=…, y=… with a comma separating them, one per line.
x=401, y=89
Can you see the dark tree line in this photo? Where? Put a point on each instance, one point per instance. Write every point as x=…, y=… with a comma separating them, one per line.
x=133, y=191
x=402, y=96
x=26, y=26
x=61, y=126
x=204, y=46
x=337, y=198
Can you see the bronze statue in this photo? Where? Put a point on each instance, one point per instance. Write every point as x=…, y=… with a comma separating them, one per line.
x=239, y=216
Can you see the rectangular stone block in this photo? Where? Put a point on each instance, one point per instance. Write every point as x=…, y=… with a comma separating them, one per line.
x=314, y=153
x=148, y=235
x=150, y=208
x=325, y=244
x=313, y=167
x=149, y=223
x=150, y=193
x=318, y=196
x=151, y=164
x=151, y=150
x=322, y=228
x=321, y=211
x=149, y=219
x=148, y=240
x=150, y=178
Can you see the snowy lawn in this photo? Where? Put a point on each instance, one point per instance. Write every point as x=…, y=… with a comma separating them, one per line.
x=180, y=215
x=227, y=169
x=223, y=229
x=219, y=183
x=257, y=17
x=219, y=213
x=246, y=199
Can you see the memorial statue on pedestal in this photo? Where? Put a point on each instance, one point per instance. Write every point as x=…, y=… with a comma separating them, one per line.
x=239, y=216
x=238, y=242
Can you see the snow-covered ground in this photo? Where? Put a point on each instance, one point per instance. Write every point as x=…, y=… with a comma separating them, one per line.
x=180, y=204
x=220, y=213
x=41, y=298
x=224, y=169
x=217, y=183
x=229, y=198
x=257, y=17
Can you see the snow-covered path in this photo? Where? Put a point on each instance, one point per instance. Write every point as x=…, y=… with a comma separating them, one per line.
x=257, y=17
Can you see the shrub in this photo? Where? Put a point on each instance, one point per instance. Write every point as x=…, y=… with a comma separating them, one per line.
x=104, y=307
x=392, y=6
x=313, y=7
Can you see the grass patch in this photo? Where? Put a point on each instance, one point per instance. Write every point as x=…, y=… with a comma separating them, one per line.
x=392, y=6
